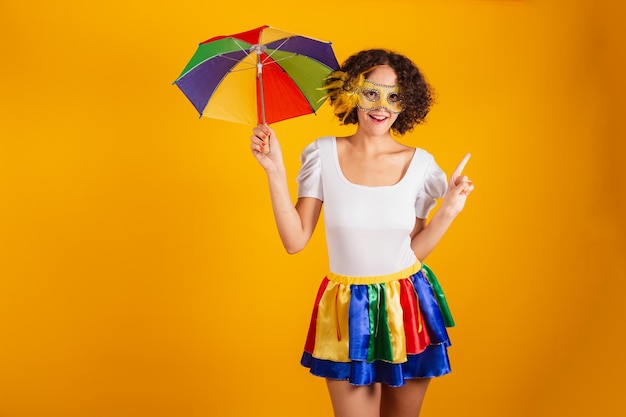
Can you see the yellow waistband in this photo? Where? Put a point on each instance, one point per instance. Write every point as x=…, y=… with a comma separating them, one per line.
x=376, y=279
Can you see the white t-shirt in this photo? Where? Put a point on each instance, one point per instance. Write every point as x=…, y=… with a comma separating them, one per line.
x=368, y=228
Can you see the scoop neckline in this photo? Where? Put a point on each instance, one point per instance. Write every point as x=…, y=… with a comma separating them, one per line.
x=353, y=184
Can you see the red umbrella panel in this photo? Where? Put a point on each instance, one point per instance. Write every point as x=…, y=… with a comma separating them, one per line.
x=263, y=75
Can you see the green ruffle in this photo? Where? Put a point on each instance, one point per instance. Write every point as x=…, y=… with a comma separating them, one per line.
x=441, y=297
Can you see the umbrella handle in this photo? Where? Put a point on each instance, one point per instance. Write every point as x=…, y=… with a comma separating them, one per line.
x=259, y=72
x=259, y=67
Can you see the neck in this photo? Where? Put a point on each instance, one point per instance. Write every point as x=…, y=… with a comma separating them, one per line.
x=369, y=142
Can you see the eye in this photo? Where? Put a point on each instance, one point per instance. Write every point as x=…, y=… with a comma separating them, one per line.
x=371, y=95
x=394, y=98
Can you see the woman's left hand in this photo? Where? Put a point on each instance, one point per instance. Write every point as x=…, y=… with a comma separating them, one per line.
x=459, y=188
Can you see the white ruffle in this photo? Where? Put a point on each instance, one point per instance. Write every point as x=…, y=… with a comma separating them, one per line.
x=435, y=186
x=310, y=175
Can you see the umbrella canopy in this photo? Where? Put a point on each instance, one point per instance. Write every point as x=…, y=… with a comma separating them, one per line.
x=263, y=75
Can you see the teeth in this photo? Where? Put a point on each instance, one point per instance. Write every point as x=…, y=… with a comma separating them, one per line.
x=379, y=117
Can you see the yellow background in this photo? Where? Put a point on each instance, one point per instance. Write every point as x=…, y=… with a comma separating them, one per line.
x=140, y=270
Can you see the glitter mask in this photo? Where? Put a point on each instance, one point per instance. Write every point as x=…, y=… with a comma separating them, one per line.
x=374, y=96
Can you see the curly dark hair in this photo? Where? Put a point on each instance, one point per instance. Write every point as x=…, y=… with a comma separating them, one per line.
x=416, y=93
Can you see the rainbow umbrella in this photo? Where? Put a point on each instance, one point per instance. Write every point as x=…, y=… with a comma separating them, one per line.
x=263, y=75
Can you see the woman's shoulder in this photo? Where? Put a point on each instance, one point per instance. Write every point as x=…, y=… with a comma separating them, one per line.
x=422, y=162
x=319, y=144
x=316, y=149
x=324, y=140
x=422, y=154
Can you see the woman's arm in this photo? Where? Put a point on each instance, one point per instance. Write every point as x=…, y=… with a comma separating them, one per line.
x=295, y=224
x=425, y=237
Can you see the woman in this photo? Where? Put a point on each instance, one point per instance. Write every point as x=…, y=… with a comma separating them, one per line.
x=377, y=333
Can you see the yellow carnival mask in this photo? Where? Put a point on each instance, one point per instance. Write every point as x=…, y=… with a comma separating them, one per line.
x=374, y=96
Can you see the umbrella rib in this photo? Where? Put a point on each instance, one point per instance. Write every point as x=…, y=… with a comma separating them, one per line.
x=245, y=51
x=283, y=58
x=277, y=48
x=237, y=60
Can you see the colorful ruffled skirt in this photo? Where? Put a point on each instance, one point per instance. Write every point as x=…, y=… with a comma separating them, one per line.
x=379, y=329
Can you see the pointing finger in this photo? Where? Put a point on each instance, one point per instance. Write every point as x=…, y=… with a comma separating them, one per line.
x=460, y=167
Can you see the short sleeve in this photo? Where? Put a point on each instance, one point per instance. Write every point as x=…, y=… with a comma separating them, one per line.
x=310, y=175
x=435, y=186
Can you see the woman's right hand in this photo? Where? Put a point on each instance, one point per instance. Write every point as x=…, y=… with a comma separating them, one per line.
x=459, y=188
x=265, y=146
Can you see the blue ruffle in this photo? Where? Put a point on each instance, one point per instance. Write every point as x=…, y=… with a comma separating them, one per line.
x=432, y=362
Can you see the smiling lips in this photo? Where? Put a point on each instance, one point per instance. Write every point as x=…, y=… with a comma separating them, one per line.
x=378, y=117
